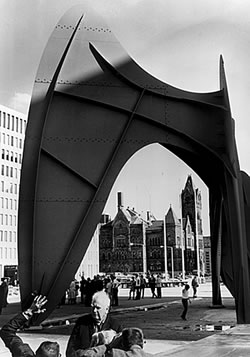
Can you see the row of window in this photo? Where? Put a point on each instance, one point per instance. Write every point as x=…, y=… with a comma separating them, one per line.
x=12, y=123
x=9, y=171
x=9, y=187
x=8, y=219
x=11, y=156
x=8, y=203
x=7, y=253
x=11, y=140
x=5, y=237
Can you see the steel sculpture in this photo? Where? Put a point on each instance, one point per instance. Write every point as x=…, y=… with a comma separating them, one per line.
x=92, y=108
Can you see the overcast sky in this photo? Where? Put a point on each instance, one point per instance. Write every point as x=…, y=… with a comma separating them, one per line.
x=178, y=42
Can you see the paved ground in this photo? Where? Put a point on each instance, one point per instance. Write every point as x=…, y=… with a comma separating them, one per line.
x=159, y=319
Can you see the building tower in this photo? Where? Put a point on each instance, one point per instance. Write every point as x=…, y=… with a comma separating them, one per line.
x=191, y=213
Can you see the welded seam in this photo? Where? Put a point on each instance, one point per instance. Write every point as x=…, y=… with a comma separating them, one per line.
x=68, y=167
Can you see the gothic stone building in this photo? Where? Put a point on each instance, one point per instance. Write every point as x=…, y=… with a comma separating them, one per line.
x=129, y=243
x=192, y=227
x=123, y=242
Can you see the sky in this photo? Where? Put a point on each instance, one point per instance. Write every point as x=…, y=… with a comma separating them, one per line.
x=178, y=42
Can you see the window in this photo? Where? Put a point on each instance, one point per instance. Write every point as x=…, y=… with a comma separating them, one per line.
x=20, y=143
x=2, y=186
x=10, y=220
x=16, y=124
x=12, y=140
x=11, y=203
x=10, y=236
x=6, y=220
x=14, y=235
x=7, y=155
x=11, y=156
x=12, y=122
x=3, y=154
x=8, y=121
x=6, y=203
x=3, y=138
x=1, y=218
x=24, y=125
x=4, y=120
x=16, y=157
x=2, y=170
x=1, y=236
x=5, y=236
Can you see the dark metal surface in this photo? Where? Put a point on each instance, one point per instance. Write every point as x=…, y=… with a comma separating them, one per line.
x=92, y=108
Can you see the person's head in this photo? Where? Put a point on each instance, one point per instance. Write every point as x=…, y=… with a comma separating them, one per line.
x=132, y=336
x=22, y=350
x=100, y=306
x=48, y=349
x=187, y=287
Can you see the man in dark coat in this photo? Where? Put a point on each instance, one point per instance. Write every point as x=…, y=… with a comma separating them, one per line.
x=87, y=325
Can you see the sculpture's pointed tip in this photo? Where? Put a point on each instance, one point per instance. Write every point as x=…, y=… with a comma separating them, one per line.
x=221, y=60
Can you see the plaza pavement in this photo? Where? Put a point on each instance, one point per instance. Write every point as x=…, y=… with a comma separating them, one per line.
x=231, y=342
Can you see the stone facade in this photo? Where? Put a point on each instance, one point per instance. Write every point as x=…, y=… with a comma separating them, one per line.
x=130, y=244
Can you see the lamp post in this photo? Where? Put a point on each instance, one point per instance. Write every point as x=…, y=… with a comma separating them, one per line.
x=172, y=260
x=197, y=236
x=182, y=242
x=165, y=249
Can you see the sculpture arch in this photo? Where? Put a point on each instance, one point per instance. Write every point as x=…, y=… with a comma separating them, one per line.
x=92, y=108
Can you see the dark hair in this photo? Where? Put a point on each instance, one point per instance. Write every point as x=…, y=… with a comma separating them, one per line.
x=22, y=350
x=187, y=286
x=48, y=349
x=132, y=336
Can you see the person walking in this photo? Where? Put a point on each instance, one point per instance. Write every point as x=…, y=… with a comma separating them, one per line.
x=143, y=286
x=137, y=287
x=158, y=285
x=83, y=284
x=132, y=288
x=185, y=300
x=151, y=282
x=195, y=286
x=115, y=287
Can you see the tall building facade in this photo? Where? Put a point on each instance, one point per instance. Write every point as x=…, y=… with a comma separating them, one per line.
x=122, y=242
x=12, y=133
x=191, y=214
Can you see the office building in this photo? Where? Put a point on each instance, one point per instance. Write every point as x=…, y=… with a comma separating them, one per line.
x=12, y=132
